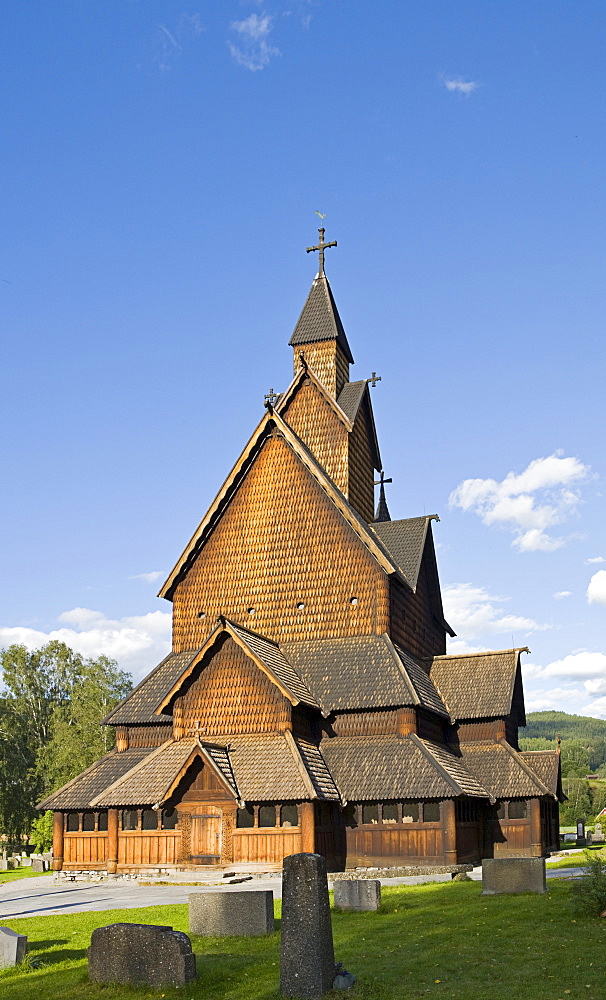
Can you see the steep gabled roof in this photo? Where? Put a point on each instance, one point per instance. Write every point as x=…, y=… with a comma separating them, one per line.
x=546, y=764
x=363, y=671
x=140, y=705
x=397, y=767
x=351, y=396
x=152, y=779
x=503, y=770
x=265, y=653
x=304, y=373
x=273, y=422
x=405, y=542
x=320, y=320
x=78, y=792
x=477, y=685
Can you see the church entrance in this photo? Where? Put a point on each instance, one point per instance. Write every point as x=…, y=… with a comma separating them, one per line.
x=206, y=836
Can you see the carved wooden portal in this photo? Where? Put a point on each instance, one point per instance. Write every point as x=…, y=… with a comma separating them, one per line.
x=206, y=836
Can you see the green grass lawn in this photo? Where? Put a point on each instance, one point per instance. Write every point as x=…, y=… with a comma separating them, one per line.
x=436, y=940
x=14, y=874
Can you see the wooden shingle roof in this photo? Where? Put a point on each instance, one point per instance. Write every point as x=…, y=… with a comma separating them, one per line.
x=140, y=705
x=150, y=781
x=546, y=764
x=405, y=541
x=320, y=320
x=364, y=671
x=78, y=793
x=351, y=396
x=477, y=685
x=406, y=767
x=503, y=770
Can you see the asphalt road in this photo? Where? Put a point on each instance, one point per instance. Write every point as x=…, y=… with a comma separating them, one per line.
x=33, y=897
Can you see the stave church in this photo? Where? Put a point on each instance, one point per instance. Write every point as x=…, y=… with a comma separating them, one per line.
x=308, y=702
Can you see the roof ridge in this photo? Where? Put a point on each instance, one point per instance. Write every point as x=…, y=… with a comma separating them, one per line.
x=515, y=754
x=111, y=753
x=487, y=652
x=305, y=371
x=292, y=746
x=147, y=678
x=436, y=763
x=401, y=667
x=137, y=767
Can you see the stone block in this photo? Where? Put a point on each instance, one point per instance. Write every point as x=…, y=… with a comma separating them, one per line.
x=508, y=875
x=13, y=947
x=357, y=894
x=307, y=959
x=141, y=954
x=38, y=865
x=229, y=914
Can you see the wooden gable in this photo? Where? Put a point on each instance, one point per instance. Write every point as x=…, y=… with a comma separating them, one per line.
x=362, y=461
x=228, y=693
x=315, y=421
x=417, y=620
x=283, y=560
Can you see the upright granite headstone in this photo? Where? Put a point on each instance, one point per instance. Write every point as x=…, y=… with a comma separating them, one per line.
x=13, y=947
x=307, y=960
x=508, y=875
x=357, y=894
x=227, y=914
x=38, y=865
x=141, y=954
x=581, y=840
x=598, y=836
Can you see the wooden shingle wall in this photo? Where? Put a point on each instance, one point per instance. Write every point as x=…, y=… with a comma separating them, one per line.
x=366, y=723
x=361, y=471
x=327, y=362
x=413, y=624
x=315, y=422
x=230, y=695
x=282, y=543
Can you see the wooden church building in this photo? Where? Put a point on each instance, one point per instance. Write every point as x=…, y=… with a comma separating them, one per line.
x=308, y=703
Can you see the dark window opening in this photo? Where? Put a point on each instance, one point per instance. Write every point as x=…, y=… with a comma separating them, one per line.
x=466, y=811
x=410, y=812
x=170, y=818
x=149, y=819
x=517, y=810
x=390, y=812
x=267, y=816
x=289, y=816
x=102, y=826
x=431, y=812
x=130, y=819
x=72, y=822
x=88, y=822
x=370, y=813
x=245, y=818
x=501, y=810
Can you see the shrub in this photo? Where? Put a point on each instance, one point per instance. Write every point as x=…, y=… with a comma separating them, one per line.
x=590, y=889
x=42, y=833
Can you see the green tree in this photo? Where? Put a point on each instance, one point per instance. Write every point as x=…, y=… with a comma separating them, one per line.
x=578, y=805
x=575, y=759
x=42, y=832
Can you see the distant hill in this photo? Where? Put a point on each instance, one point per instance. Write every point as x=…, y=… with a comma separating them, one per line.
x=570, y=727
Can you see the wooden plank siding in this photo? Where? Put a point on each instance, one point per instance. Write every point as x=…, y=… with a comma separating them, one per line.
x=265, y=844
x=84, y=850
x=269, y=554
x=140, y=847
x=396, y=844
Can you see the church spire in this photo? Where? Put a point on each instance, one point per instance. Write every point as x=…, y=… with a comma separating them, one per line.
x=319, y=333
x=382, y=513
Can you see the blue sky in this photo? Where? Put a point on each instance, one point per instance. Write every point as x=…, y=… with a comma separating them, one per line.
x=162, y=164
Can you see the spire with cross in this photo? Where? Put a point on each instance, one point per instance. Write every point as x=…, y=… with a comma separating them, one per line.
x=321, y=247
x=270, y=398
x=382, y=513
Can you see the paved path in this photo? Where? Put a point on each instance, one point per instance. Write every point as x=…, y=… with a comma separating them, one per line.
x=37, y=897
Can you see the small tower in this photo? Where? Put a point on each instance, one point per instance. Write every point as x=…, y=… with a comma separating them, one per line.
x=319, y=335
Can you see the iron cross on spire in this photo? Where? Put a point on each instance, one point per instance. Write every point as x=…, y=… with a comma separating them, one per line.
x=381, y=482
x=321, y=247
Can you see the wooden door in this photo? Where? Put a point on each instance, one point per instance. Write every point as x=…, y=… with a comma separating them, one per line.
x=206, y=836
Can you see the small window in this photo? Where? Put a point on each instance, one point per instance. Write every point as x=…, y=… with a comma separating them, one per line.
x=289, y=816
x=267, y=816
x=102, y=824
x=410, y=812
x=88, y=822
x=353, y=600
x=431, y=812
x=130, y=819
x=245, y=818
x=201, y=614
x=149, y=819
x=251, y=611
x=517, y=810
x=170, y=818
x=390, y=812
x=72, y=822
x=370, y=814
x=300, y=606
x=501, y=810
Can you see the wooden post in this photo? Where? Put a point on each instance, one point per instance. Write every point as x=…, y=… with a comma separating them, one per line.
x=112, y=841
x=449, y=827
x=308, y=827
x=57, y=841
x=536, y=840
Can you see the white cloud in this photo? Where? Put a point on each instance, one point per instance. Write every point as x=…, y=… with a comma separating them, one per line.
x=137, y=642
x=596, y=591
x=560, y=594
x=577, y=665
x=253, y=50
x=528, y=503
x=460, y=86
x=148, y=577
x=595, y=559
x=474, y=613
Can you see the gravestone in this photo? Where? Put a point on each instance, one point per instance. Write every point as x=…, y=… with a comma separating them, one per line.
x=38, y=865
x=228, y=914
x=581, y=839
x=357, y=894
x=589, y=838
x=12, y=948
x=598, y=836
x=508, y=875
x=307, y=960
x=570, y=838
x=141, y=954
x=4, y=864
